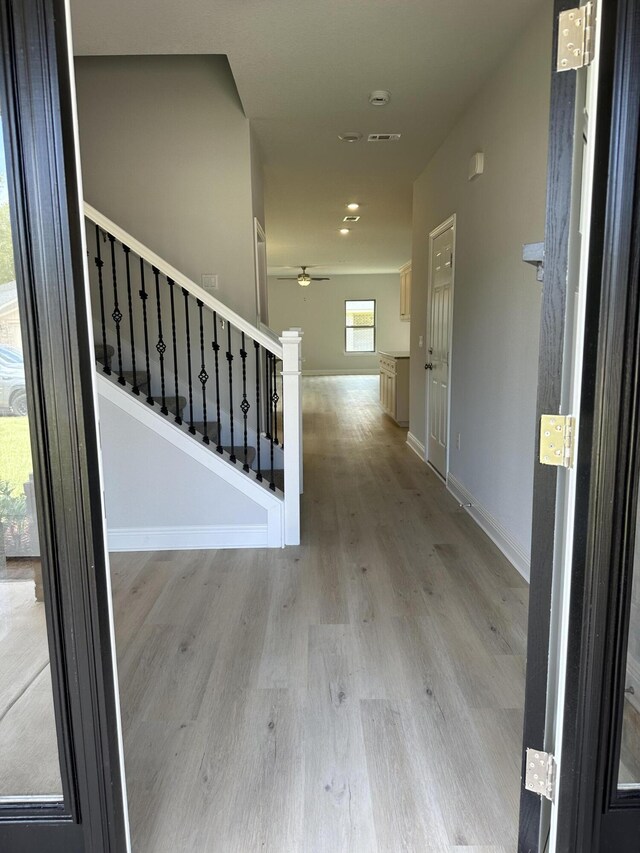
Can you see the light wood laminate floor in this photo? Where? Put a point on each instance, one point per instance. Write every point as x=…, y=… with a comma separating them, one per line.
x=362, y=692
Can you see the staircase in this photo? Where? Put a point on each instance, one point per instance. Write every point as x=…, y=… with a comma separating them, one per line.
x=166, y=346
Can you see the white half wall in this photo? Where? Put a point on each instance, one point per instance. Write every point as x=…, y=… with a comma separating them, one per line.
x=166, y=491
x=497, y=298
x=166, y=154
x=319, y=310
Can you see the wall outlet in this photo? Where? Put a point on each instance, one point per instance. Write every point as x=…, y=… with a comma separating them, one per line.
x=458, y=441
x=420, y=339
x=209, y=281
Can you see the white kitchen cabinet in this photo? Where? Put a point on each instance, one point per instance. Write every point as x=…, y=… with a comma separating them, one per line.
x=394, y=385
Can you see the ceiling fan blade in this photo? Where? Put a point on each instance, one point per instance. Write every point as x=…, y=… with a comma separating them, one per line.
x=322, y=278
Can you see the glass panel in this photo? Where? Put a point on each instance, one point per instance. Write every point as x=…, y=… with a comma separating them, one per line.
x=360, y=340
x=361, y=312
x=629, y=776
x=29, y=763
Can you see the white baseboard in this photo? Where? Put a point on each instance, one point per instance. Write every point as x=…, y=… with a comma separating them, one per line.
x=189, y=538
x=494, y=530
x=417, y=446
x=354, y=371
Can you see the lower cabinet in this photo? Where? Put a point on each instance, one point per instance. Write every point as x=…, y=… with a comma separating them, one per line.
x=394, y=386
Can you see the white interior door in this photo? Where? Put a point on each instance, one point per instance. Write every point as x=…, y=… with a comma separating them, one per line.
x=441, y=260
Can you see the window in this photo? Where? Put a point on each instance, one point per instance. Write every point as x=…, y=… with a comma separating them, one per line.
x=360, y=325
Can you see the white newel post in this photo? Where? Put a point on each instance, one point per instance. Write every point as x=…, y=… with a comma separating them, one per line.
x=291, y=341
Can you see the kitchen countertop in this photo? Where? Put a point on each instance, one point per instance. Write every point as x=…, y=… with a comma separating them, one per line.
x=393, y=354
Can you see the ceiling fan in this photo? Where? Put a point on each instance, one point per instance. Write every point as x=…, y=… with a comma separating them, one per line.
x=303, y=278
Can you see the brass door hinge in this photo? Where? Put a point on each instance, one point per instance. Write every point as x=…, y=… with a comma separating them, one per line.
x=557, y=438
x=576, y=37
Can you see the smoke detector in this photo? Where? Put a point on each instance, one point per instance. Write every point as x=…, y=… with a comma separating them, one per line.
x=379, y=98
x=350, y=137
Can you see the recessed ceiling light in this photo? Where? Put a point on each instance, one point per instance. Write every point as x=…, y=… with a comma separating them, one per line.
x=379, y=98
x=345, y=230
x=350, y=137
x=353, y=205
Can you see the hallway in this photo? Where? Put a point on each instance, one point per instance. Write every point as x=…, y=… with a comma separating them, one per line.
x=362, y=692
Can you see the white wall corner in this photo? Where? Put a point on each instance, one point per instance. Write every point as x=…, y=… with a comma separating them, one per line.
x=511, y=549
x=417, y=446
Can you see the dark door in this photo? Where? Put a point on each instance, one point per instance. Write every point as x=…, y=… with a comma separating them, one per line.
x=596, y=804
x=60, y=767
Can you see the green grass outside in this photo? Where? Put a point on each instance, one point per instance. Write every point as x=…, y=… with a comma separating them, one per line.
x=15, y=452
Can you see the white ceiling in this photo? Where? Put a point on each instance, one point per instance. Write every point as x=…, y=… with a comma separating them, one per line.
x=304, y=69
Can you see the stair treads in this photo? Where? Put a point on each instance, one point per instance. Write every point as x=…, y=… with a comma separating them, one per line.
x=100, y=352
x=138, y=376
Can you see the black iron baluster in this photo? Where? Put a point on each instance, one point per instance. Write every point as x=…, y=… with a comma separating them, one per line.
x=116, y=314
x=144, y=296
x=244, y=405
x=230, y=360
x=171, y=284
x=258, y=431
x=185, y=293
x=274, y=400
x=216, y=349
x=161, y=347
x=106, y=367
x=267, y=388
x=271, y=363
x=203, y=375
x=135, y=388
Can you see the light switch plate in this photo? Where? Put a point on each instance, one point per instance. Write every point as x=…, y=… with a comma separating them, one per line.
x=209, y=281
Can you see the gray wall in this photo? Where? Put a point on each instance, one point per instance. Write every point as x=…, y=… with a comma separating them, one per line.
x=319, y=311
x=166, y=154
x=497, y=298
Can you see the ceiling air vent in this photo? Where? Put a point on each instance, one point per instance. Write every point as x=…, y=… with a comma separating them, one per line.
x=383, y=137
x=351, y=218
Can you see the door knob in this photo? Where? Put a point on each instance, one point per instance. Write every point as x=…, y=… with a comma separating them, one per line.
x=428, y=366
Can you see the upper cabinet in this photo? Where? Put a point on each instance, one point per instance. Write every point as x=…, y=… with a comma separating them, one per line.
x=405, y=292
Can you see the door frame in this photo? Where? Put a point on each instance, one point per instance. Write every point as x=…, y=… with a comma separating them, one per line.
x=449, y=222
x=609, y=186
x=46, y=212
x=260, y=238
x=592, y=814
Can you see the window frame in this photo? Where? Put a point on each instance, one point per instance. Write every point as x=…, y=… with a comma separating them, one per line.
x=346, y=327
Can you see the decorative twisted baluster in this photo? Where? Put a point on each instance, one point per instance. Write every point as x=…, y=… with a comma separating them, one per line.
x=185, y=293
x=161, y=347
x=106, y=364
x=116, y=314
x=134, y=388
x=216, y=349
x=144, y=296
x=203, y=375
x=245, y=405
x=230, y=361
x=256, y=346
x=171, y=284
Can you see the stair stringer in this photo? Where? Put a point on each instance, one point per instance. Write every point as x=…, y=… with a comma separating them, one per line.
x=269, y=534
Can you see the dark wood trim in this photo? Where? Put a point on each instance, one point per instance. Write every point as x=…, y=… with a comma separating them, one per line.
x=47, y=223
x=550, y=371
x=591, y=815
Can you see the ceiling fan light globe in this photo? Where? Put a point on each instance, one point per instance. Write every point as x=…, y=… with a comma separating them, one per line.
x=304, y=280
